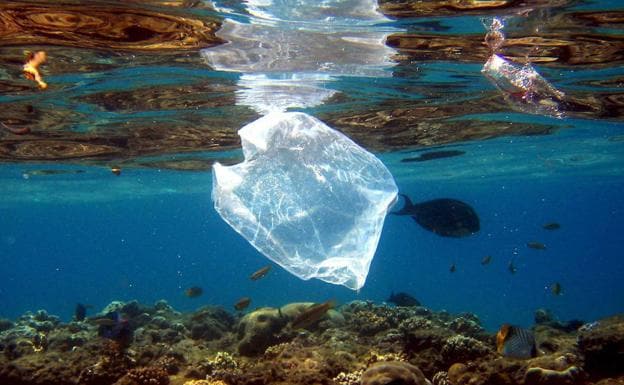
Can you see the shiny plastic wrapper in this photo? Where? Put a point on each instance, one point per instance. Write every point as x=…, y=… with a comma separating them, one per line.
x=307, y=197
x=523, y=88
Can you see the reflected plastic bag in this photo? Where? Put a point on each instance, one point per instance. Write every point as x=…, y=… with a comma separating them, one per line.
x=307, y=197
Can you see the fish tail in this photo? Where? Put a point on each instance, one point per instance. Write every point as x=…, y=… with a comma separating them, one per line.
x=406, y=205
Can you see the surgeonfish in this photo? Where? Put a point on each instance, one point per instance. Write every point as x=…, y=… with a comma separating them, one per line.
x=444, y=217
x=515, y=342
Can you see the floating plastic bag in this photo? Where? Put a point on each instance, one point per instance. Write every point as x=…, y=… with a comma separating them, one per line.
x=307, y=197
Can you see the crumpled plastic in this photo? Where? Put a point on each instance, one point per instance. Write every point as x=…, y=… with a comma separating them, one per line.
x=307, y=197
x=522, y=87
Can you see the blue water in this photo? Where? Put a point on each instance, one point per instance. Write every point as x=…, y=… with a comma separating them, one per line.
x=151, y=233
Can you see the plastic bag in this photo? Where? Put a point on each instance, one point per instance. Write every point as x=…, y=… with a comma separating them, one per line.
x=307, y=197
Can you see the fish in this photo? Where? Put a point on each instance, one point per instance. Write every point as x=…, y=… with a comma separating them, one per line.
x=114, y=327
x=242, y=303
x=403, y=299
x=551, y=226
x=511, y=267
x=116, y=170
x=52, y=172
x=453, y=268
x=486, y=260
x=80, y=312
x=434, y=155
x=312, y=314
x=261, y=273
x=536, y=245
x=515, y=342
x=193, y=292
x=444, y=217
x=556, y=288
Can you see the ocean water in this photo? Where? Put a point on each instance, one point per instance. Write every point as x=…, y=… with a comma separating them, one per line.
x=82, y=234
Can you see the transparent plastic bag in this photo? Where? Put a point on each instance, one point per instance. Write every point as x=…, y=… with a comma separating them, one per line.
x=307, y=197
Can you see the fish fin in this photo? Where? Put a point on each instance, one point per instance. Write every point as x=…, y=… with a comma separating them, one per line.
x=407, y=205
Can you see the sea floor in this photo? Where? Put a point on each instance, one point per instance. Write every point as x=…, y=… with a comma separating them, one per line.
x=357, y=343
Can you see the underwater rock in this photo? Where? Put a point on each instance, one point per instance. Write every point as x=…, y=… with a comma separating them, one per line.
x=602, y=344
x=467, y=324
x=539, y=376
x=393, y=372
x=209, y=323
x=259, y=329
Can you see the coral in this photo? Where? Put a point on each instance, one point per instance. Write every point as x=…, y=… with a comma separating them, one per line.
x=205, y=382
x=455, y=372
x=393, y=372
x=539, y=376
x=351, y=378
x=440, y=378
x=209, y=323
x=259, y=329
x=221, y=365
x=602, y=344
x=145, y=376
x=467, y=324
x=462, y=348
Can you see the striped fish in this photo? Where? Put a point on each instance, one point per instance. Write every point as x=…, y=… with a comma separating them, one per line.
x=515, y=342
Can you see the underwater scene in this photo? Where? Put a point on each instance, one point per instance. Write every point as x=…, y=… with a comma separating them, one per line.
x=332, y=192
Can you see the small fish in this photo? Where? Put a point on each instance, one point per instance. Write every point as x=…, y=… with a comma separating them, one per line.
x=515, y=342
x=453, y=268
x=536, y=245
x=312, y=314
x=486, y=260
x=403, y=299
x=552, y=226
x=260, y=273
x=193, y=292
x=242, y=303
x=556, y=288
x=53, y=172
x=511, y=267
x=434, y=155
x=116, y=170
x=80, y=312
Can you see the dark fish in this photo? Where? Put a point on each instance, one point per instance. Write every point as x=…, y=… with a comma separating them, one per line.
x=52, y=172
x=116, y=170
x=486, y=260
x=434, y=155
x=312, y=315
x=260, y=273
x=242, y=303
x=511, y=267
x=453, y=268
x=556, y=288
x=80, y=312
x=536, y=245
x=515, y=342
x=445, y=217
x=114, y=327
x=193, y=292
x=403, y=299
x=552, y=226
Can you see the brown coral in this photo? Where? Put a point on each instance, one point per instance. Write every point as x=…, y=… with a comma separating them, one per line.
x=393, y=372
x=145, y=376
x=539, y=376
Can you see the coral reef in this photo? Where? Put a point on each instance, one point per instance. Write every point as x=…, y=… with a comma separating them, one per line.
x=393, y=372
x=359, y=343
